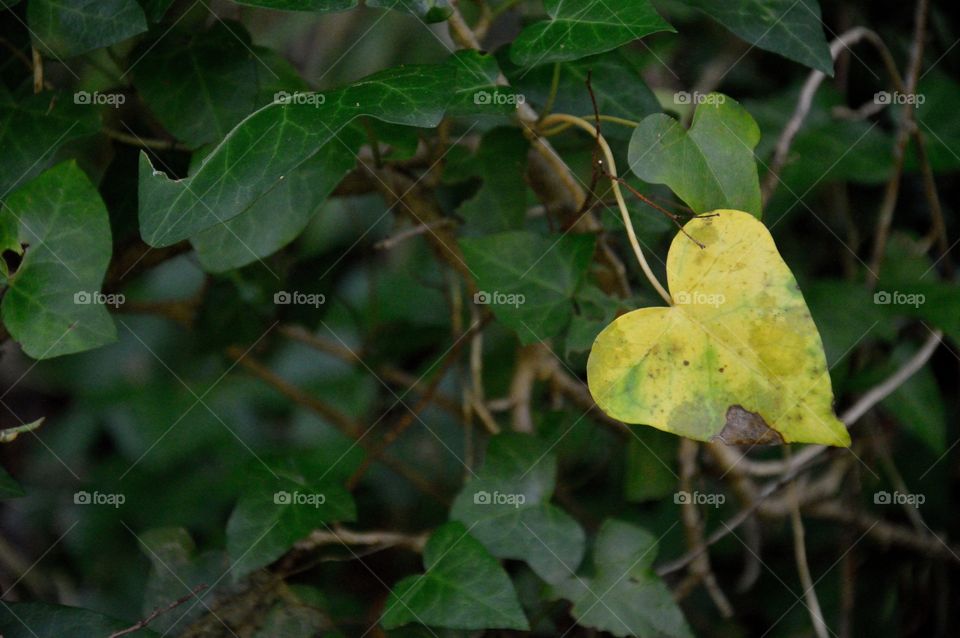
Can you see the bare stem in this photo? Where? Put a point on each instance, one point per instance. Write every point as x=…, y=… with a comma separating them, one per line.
x=615, y=185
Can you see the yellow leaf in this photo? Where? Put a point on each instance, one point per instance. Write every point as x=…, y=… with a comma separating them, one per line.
x=736, y=358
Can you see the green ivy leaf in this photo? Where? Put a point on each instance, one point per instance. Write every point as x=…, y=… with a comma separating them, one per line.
x=9, y=487
x=500, y=203
x=650, y=473
x=507, y=508
x=791, y=28
x=281, y=508
x=33, y=128
x=200, y=86
x=576, y=30
x=709, y=167
x=616, y=81
x=917, y=404
x=66, y=28
x=529, y=280
x=257, y=155
x=624, y=596
x=176, y=568
x=428, y=10
x=50, y=306
x=464, y=587
x=155, y=9
x=937, y=120
x=42, y=620
x=281, y=215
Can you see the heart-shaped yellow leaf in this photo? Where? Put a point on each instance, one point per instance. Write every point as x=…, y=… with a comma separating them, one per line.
x=736, y=358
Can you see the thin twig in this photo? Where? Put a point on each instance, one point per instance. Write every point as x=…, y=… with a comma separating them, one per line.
x=804, y=102
x=339, y=420
x=412, y=414
x=158, y=611
x=907, y=123
x=611, y=163
x=407, y=233
x=800, y=554
x=384, y=539
x=136, y=140
x=700, y=569
x=37, y=71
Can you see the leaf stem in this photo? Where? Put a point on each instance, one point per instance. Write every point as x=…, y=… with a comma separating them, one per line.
x=615, y=186
x=554, y=88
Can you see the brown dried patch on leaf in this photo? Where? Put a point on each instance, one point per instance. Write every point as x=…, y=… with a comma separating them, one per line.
x=744, y=427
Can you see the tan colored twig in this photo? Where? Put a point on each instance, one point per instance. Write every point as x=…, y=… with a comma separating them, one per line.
x=805, y=101
x=382, y=539
x=700, y=570
x=800, y=555
x=904, y=130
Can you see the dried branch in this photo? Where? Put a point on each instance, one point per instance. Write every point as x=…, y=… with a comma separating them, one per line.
x=904, y=130
x=803, y=567
x=381, y=539
x=700, y=570
x=805, y=101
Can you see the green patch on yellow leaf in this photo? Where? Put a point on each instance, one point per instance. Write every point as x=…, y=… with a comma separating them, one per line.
x=736, y=358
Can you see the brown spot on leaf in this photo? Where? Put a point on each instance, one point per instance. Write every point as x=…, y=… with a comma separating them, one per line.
x=685, y=362
x=744, y=427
